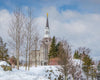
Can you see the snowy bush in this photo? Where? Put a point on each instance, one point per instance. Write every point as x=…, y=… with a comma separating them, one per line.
x=4, y=63
x=5, y=66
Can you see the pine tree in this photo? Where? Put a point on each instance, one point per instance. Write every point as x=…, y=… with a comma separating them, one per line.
x=52, y=52
x=87, y=65
x=76, y=55
x=98, y=67
x=57, y=48
x=3, y=51
x=92, y=72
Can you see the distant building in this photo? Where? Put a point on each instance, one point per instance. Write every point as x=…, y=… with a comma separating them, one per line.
x=42, y=54
x=54, y=61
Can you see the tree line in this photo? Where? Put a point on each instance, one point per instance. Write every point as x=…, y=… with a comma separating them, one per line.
x=62, y=50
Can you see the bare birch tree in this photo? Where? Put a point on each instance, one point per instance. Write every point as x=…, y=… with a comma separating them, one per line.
x=29, y=35
x=73, y=70
x=31, y=38
x=36, y=41
x=16, y=32
x=65, y=57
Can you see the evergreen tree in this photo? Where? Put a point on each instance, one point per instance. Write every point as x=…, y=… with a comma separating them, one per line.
x=92, y=72
x=57, y=48
x=87, y=62
x=3, y=51
x=98, y=67
x=52, y=52
x=76, y=55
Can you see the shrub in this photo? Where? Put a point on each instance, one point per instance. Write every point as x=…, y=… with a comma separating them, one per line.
x=6, y=68
x=60, y=77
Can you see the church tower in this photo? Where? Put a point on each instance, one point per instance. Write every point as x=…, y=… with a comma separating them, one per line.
x=47, y=37
x=45, y=46
x=47, y=31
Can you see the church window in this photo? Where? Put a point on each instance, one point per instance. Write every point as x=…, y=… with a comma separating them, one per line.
x=47, y=32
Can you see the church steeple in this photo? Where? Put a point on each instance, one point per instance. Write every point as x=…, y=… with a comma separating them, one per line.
x=47, y=23
x=47, y=31
x=46, y=42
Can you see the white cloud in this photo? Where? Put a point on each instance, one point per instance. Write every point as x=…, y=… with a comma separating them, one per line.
x=5, y=17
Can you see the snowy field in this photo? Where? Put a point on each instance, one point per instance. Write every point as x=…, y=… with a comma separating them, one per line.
x=35, y=73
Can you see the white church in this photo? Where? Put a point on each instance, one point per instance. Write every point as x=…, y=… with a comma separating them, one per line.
x=42, y=54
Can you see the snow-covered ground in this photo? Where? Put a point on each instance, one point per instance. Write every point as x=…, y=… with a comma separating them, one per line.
x=77, y=62
x=4, y=63
x=35, y=73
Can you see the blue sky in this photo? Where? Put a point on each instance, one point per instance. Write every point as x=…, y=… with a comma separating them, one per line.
x=84, y=6
x=78, y=21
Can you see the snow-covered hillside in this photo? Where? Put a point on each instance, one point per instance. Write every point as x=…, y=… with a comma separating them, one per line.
x=39, y=72
x=35, y=73
x=4, y=63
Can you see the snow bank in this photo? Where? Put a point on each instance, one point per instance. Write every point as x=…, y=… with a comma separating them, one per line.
x=35, y=73
x=4, y=63
x=77, y=62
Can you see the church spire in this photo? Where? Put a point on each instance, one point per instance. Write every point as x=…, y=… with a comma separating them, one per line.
x=47, y=31
x=47, y=23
